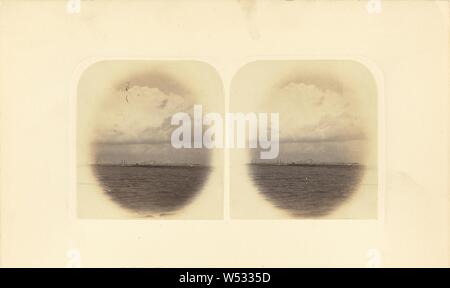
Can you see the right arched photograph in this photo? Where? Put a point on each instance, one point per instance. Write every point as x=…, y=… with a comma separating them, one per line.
x=325, y=165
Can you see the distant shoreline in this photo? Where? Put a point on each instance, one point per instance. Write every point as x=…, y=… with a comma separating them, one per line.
x=152, y=165
x=309, y=164
x=163, y=165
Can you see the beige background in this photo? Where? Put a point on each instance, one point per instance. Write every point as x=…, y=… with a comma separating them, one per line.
x=43, y=48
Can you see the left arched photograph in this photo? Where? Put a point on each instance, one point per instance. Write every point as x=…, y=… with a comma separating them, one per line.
x=127, y=165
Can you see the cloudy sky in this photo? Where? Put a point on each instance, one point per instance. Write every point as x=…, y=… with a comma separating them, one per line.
x=140, y=115
x=319, y=115
x=134, y=126
x=318, y=124
x=127, y=106
x=327, y=109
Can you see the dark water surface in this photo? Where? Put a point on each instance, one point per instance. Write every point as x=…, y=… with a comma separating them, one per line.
x=152, y=189
x=306, y=191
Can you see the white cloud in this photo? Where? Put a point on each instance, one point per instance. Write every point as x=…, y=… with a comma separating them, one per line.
x=138, y=115
x=312, y=114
